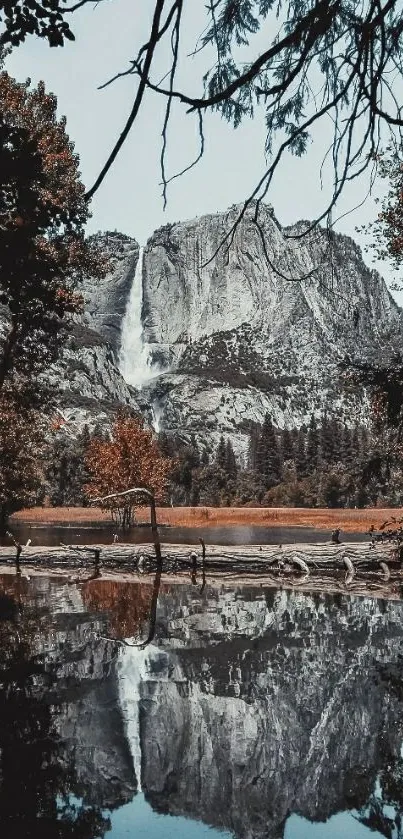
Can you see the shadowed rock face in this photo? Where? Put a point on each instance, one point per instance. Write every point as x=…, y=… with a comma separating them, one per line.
x=87, y=382
x=260, y=707
x=105, y=300
x=87, y=375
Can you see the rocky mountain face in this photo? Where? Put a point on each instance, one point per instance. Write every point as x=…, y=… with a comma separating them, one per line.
x=241, y=335
x=88, y=384
x=231, y=333
x=91, y=387
x=259, y=704
x=105, y=300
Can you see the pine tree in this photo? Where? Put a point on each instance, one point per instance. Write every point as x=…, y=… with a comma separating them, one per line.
x=300, y=455
x=364, y=442
x=346, y=452
x=255, y=431
x=230, y=461
x=355, y=443
x=269, y=464
x=312, y=446
x=221, y=453
x=204, y=458
x=287, y=445
x=326, y=447
x=336, y=434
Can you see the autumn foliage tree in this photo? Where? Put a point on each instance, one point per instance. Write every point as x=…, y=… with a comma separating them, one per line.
x=130, y=458
x=43, y=255
x=43, y=212
x=22, y=442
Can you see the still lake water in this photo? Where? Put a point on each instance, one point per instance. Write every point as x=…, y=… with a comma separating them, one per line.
x=250, y=713
x=231, y=535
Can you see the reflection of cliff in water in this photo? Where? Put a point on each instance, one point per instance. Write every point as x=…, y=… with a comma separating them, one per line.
x=258, y=708
x=64, y=755
x=248, y=706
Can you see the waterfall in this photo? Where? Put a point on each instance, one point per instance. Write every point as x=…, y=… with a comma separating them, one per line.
x=135, y=364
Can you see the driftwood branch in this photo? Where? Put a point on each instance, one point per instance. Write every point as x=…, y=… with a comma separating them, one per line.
x=132, y=491
x=18, y=548
x=153, y=513
x=85, y=549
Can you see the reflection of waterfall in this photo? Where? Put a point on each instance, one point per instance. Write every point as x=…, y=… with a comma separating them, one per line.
x=135, y=665
x=135, y=364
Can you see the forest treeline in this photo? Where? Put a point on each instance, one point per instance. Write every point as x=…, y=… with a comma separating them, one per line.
x=323, y=464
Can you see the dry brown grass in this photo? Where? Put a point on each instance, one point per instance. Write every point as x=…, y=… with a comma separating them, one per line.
x=322, y=519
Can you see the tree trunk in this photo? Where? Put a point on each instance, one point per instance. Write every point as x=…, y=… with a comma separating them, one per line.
x=7, y=351
x=3, y=518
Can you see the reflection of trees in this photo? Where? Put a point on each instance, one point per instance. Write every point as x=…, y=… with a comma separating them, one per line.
x=127, y=606
x=131, y=608
x=36, y=775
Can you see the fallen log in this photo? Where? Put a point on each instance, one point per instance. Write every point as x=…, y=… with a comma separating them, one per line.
x=317, y=558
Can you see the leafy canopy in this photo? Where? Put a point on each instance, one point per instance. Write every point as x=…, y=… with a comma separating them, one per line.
x=22, y=446
x=293, y=64
x=130, y=458
x=43, y=212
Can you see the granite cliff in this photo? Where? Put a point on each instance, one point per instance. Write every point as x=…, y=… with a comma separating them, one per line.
x=223, y=336
x=240, y=335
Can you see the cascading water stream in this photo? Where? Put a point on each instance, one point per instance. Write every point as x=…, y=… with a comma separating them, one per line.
x=135, y=364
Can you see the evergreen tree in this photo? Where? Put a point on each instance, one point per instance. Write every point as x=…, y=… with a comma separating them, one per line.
x=212, y=486
x=329, y=490
x=286, y=445
x=221, y=453
x=326, y=447
x=66, y=471
x=364, y=445
x=355, y=443
x=204, y=458
x=336, y=434
x=300, y=455
x=312, y=446
x=269, y=464
x=230, y=461
x=347, y=452
x=255, y=431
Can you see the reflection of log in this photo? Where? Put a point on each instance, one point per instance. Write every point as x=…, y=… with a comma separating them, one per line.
x=377, y=573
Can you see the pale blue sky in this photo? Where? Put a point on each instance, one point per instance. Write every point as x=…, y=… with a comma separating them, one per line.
x=130, y=198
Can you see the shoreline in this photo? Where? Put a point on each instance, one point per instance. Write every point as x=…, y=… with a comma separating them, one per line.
x=349, y=520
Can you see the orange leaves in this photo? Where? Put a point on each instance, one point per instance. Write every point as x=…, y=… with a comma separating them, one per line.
x=131, y=458
x=43, y=212
x=34, y=112
x=21, y=445
x=127, y=607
